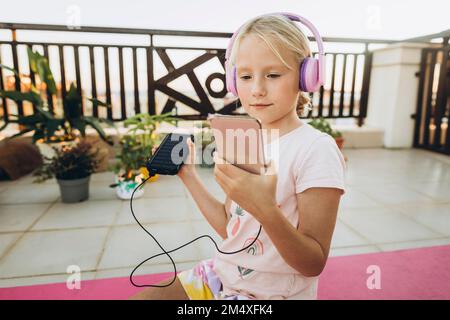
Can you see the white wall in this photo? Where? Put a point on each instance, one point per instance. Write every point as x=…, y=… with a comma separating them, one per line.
x=393, y=92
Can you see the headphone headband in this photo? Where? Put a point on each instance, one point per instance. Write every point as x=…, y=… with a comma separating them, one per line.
x=320, y=62
x=309, y=25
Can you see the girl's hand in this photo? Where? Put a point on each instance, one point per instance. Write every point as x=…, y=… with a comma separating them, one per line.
x=254, y=193
x=189, y=165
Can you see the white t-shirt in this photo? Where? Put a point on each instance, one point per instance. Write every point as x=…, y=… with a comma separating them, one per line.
x=304, y=158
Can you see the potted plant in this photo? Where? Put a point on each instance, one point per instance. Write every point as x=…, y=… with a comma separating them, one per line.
x=45, y=125
x=135, y=149
x=72, y=166
x=323, y=125
x=128, y=168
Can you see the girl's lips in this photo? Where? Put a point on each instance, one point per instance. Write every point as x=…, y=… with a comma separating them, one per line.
x=260, y=106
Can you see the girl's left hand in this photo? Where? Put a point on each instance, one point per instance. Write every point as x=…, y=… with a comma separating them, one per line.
x=254, y=193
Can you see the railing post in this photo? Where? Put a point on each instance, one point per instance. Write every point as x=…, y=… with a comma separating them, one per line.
x=365, y=85
x=421, y=89
x=62, y=71
x=441, y=97
x=93, y=80
x=123, y=106
x=137, y=104
x=108, y=82
x=49, y=94
x=447, y=71
x=150, y=79
x=16, y=67
x=2, y=87
x=78, y=77
x=32, y=77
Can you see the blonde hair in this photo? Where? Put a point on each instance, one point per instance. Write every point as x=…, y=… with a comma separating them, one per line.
x=275, y=29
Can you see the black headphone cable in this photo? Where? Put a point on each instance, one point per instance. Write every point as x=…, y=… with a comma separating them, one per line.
x=173, y=250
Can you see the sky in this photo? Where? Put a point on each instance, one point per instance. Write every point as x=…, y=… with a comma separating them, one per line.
x=371, y=19
x=383, y=19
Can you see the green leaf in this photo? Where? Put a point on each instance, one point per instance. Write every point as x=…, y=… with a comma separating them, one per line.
x=32, y=58
x=108, y=122
x=99, y=103
x=52, y=126
x=4, y=126
x=94, y=123
x=9, y=68
x=20, y=133
x=47, y=76
x=130, y=121
x=45, y=113
x=31, y=119
x=39, y=64
x=18, y=96
x=79, y=124
x=72, y=104
x=38, y=134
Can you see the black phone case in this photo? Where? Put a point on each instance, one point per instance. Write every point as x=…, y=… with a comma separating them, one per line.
x=161, y=162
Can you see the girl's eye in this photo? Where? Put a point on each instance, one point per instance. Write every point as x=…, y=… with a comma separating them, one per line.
x=272, y=75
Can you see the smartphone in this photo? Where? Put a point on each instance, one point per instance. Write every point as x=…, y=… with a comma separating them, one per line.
x=239, y=140
x=170, y=155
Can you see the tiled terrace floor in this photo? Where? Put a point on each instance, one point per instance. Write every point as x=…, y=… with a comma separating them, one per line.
x=395, y=199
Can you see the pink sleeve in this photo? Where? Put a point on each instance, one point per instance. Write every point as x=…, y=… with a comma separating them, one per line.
x=323, y=166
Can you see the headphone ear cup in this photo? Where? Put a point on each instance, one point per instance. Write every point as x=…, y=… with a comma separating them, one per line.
x=309, y=75
x=230, y=79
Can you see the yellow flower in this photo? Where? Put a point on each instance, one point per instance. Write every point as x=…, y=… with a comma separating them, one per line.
x=145, y=173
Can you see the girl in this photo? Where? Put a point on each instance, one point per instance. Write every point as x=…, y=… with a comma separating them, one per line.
x=296, y=205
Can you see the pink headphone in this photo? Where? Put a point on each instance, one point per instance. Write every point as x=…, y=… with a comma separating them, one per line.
x=312, y=70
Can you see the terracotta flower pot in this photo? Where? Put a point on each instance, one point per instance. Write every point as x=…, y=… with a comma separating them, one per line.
x=340, y=142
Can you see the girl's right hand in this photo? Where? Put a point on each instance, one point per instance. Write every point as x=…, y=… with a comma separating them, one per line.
x=189, y=165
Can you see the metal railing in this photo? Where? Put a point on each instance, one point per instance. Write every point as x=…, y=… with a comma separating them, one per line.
x=433, y=102
x=335, y=100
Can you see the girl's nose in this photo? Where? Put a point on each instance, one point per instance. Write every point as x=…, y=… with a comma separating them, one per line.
x=258, y=88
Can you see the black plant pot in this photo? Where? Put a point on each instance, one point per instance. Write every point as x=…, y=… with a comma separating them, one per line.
x=73, y=191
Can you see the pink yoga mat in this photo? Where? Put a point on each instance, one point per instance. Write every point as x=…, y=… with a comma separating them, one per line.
x=407, y=274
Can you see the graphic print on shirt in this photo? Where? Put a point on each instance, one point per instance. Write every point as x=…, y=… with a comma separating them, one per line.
x=239, y=212
x=255, y=249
